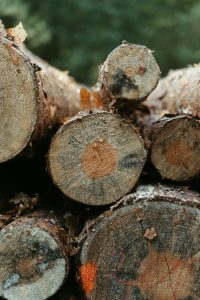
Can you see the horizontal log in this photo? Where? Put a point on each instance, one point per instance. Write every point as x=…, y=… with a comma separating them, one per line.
x=35, y=99
x=146, y=247
x=34, y=260
x=130, y=72
x=96, y=158
x=174, y=136
x=175, y=147
x=177, y=93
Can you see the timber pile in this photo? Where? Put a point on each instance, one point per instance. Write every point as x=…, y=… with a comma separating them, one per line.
x=90, y=205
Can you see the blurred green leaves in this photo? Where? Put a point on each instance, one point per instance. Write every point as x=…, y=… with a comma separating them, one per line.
x=78, y=34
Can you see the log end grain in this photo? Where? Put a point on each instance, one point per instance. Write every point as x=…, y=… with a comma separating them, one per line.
x=154, y=256
x=32, y=263
x=96, y=158
x=175, y=148
x=18, y=100
x=129, y=72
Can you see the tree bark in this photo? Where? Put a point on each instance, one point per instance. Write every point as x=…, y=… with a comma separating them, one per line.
x=146, y=247
x=34, y=260
x=172, y=128
x=130, y=72
x=35, y=99
x=175, y=147
x=178, y=93
x=96, y=158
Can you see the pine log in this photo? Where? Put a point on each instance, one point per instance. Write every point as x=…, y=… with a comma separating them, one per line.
x=96, y=158
x=130, y=72
x=178, y=93
x=172, y=128
x=35, y=98
x=34, y=259
x=146, y=248
x=175, y=147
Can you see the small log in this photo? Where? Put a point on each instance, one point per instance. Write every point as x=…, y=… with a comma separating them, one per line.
x=34, y=260
x=147, y=247
x=175, y=147
x=174, y=135
x=96, y=158
x=130, y=72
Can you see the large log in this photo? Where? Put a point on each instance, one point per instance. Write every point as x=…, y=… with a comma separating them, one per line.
x=35, y=99
x=34, y=260
x=96, y=158
x=174, y=136
x=130, y=72
x=147, y=247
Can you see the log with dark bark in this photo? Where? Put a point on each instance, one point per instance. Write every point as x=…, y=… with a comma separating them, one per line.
x=147, y=247
x=130, y=72
x=34, y=260
x=96, y=158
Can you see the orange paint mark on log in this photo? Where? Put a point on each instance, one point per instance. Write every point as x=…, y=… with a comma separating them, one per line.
x=141, y=70
x=179, y=153
x=88, y=276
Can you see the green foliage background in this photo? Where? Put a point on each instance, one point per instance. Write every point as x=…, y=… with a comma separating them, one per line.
x=78, y=34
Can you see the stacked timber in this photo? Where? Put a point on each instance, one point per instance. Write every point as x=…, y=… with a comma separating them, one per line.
x=80, y=216
x=175, y=137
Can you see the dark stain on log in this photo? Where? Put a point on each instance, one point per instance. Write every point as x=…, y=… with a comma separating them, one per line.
x=130, y=161
x=136, y=294
x=122, y=81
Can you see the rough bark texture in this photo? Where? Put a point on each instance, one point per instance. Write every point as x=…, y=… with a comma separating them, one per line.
x=130, y=72
x=146, y=248
x=96, y=158
x=178, y=93
x=35, y=98
x=172, y=128
x=33, y=258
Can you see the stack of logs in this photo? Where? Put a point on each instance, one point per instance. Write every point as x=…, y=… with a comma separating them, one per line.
x=99, y=191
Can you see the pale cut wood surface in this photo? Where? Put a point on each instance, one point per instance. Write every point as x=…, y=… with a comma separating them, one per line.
x=147, y=248
x=34, y=261
x=130, y=72
x=96, y=158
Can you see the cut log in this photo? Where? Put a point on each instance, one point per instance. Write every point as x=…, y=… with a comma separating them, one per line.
x=147, y=248
x=96, y=158
x=175, y=147
x=33, y=258
x=175, y=139
x=36, y=98
x=130, y=72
